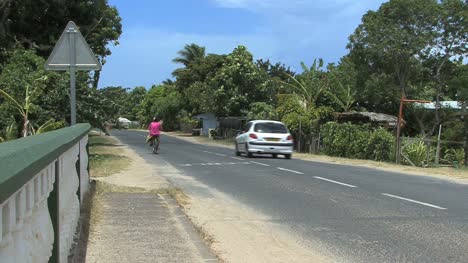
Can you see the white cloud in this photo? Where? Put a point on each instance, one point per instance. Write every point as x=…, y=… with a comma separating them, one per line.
x=289, y=31
x=145, y=55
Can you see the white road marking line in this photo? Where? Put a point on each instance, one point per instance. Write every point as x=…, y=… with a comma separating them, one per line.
x=332, y=181
x=260, y=163
x=220, y=154
x=207, y=152
x=287, y=170
x=187, y=164
x=414, y=201
x=237, y=158
x=203, y=164
x=217, y=164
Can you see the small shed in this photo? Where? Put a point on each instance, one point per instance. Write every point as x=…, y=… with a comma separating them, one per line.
x=375, y=119
x=209, y=121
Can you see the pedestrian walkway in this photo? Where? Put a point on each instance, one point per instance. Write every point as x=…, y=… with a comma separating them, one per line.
x=142, y=227
x=133, y=220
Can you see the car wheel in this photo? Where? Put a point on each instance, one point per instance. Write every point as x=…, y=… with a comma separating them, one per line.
x=249, y=154
x=275, y=155
x=288, y=156
x=237, y=150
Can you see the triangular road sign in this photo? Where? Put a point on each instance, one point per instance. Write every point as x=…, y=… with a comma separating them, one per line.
x=72, y=50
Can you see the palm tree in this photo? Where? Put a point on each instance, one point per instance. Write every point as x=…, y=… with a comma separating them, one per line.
x=187, y=56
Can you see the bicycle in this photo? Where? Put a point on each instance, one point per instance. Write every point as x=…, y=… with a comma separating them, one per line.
x=154, y=145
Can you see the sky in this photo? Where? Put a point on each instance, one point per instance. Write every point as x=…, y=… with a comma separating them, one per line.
x=286, y=31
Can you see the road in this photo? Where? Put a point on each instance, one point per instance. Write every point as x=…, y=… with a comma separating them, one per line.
x=361, y=214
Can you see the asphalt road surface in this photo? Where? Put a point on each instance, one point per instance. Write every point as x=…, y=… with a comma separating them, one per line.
x=361, y=214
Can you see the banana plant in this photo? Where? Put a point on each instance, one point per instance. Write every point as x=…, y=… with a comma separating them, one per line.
x=10, y=133
x=49, y=125
x=343, y=96
x=24, y=108
x=309, y=86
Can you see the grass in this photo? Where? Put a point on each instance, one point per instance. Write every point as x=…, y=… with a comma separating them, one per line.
x=102, y=158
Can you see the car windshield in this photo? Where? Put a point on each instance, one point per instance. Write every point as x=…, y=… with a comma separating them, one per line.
x=270, y=127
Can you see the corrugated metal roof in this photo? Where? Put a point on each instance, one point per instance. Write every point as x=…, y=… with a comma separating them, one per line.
x=456, y=105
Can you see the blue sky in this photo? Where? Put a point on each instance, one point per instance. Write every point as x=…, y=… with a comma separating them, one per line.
x=289, y=31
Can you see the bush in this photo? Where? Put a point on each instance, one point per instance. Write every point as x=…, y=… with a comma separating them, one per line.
x=357, y=141
x=455, y=155
x=345, y=140
x=380, y=146
x=417, y=153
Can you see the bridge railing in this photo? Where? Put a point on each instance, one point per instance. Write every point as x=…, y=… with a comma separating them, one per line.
x=43, y=179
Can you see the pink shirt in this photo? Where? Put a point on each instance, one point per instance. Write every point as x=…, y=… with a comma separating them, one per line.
x=155, y=128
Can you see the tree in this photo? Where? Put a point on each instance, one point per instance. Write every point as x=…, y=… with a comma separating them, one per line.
x=237, y=84
x=136, y=96
x=39, y=24
x=450, y=43
x=190, y=54
x=162, y=101
x=22, y=82
x=392, y=38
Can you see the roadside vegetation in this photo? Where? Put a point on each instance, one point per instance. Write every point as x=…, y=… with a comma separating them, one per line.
x=411, y=49
x=103, y=160
x=405, y=49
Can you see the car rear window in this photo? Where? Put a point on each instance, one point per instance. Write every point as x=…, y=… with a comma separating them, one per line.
x=270, y=127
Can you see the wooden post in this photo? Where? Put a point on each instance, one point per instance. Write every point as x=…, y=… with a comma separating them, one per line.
x=299, y=140
x=438, y=146
x=398, y=142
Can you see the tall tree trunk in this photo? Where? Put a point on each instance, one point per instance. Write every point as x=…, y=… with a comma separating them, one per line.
x=96, y=76
x=438, y=94
x=25, y=125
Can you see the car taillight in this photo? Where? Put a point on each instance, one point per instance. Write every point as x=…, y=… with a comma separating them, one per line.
x=253, y=136
x=289, y=138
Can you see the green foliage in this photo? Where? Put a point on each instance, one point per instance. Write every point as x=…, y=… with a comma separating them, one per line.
x=454, y=155
x=417, y=153
x=38, y=24
x=163, y=102
x=11, y=133
x=357, y=141
x=310, y=86
x=380, y=146
x=343, y=85
x=261, y=111
x=50, y=125
x=237, y=84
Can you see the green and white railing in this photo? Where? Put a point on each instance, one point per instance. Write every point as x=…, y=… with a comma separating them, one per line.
x=43, y=179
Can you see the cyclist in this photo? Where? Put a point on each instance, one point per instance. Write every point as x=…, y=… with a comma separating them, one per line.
x=154, y=129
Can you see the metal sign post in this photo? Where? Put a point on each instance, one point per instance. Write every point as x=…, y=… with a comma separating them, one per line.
x=71, y=52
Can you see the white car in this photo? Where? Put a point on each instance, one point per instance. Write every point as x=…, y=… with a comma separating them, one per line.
x=263, y=136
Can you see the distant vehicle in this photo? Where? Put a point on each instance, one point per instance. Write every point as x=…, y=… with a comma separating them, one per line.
x=265, y=137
